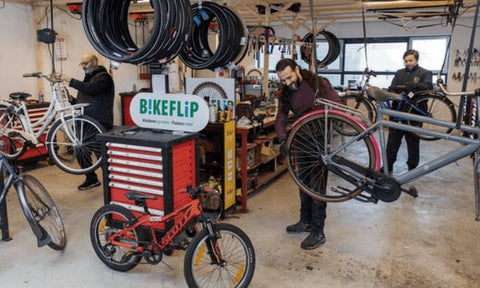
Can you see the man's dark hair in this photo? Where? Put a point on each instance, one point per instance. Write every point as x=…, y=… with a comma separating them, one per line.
x=307, y=76
x=411, y=52
x=284, y=63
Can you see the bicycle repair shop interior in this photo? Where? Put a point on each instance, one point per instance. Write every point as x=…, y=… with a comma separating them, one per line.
x=428, y=241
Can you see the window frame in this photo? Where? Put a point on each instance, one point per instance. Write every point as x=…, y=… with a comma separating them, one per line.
x=345, y=41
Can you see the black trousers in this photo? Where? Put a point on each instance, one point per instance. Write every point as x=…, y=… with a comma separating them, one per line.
x=393, y=144
x=86, y=160
x=313, y=212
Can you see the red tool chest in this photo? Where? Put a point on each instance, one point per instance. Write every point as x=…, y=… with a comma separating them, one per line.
x=152, y=162
x=36, y=112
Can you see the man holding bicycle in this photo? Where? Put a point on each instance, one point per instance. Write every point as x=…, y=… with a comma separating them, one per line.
x=298, y=91
x=97, y=89
x=408, y=80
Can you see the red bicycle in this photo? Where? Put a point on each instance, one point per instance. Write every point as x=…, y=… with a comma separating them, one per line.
x=219, y=255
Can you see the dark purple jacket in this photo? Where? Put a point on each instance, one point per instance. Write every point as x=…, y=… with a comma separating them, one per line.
x=302, y=102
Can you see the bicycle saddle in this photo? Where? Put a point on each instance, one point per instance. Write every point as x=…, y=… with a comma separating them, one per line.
x=382, y=95
x=19, y=96
x=137, y=196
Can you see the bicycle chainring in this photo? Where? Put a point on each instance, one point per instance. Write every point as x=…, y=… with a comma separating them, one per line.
x=387, y=189
x=152, y=254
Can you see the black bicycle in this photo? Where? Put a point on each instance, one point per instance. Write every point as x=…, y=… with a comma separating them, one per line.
x=430, y=103
x=38, y=207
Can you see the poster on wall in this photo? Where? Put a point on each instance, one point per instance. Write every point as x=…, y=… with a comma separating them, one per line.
x=218, y=92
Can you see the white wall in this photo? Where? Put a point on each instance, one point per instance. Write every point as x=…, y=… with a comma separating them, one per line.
x=17, y=55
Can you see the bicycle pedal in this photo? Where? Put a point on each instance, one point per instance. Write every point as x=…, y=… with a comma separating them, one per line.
x=181, y=245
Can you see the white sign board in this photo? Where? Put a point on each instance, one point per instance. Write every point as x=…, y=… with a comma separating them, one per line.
x=174, y=112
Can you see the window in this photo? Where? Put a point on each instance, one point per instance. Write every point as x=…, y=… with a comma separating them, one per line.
x=385, y=57
x=432, y=52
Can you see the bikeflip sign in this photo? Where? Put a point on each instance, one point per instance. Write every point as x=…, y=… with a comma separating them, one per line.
x=174, y=112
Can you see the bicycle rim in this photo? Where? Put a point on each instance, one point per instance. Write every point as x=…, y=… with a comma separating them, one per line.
x=236, y=254
x=14, y=145
x=434, y=106
x=107, y=221
x=308, y=143
x=362, y=105
x=68, y=153
x=44, y=211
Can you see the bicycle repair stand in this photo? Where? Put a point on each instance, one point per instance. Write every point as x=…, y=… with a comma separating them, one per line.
x=4, y=217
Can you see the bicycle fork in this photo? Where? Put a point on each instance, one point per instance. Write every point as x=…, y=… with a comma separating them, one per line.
x=214, y=252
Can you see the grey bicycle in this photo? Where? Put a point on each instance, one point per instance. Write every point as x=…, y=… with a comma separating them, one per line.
x=331, y=141
x=37, y=205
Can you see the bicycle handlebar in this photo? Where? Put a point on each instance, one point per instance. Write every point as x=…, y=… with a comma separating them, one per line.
x=54, y=78
x=475, y=92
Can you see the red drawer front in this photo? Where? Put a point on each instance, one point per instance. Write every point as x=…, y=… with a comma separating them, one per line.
x=183, y=162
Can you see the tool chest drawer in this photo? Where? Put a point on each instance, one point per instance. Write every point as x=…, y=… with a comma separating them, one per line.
x=156, y=163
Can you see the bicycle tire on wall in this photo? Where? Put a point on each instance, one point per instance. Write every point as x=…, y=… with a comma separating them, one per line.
x=306, y=146
x=206, y=89
x=15, y=146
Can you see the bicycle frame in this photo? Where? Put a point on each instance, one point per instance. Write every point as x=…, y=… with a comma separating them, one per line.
x=59, y=105
x=14, y=179
x=471, y=145
x=187, y=213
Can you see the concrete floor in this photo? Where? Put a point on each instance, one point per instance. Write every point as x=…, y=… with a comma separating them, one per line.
x=430, y=241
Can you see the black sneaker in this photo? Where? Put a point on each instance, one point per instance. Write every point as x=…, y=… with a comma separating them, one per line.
x=313, y=240
x=88, y=184
x=298, y=228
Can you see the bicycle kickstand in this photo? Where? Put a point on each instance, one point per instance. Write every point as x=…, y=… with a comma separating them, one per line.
x=412, y=191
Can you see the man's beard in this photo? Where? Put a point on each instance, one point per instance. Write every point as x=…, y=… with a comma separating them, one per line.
x=292, y=88
x=89, y=70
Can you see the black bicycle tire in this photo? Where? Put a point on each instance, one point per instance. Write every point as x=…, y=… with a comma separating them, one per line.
x=333, y=48
x=34, y=214
x=448, y=109
x=133, y=261
x=13, y=141
x=51, y=145
x=312, y=146
x=197, y=53
x=361, y=101
x=204, y=236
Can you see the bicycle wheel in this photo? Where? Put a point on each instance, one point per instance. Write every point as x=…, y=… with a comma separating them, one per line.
x=14, y=144
x=362, y=105
x=313, y=138
x=73, y=146
x=435, y=106
x=232, y=264
x=107, y=221
x=39, y=207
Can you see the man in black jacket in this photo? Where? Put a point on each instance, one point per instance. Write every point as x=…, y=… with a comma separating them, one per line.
x=97, y=89
x=409, y=80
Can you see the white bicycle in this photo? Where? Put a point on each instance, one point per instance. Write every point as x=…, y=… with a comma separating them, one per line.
x=71, y=135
